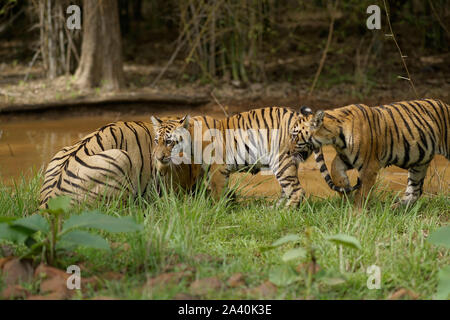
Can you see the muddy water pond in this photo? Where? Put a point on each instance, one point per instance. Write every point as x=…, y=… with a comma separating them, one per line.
x=27, y=144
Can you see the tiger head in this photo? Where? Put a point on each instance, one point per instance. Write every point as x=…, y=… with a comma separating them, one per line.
x=300, y=136
x=321, y=133
x=168, y=135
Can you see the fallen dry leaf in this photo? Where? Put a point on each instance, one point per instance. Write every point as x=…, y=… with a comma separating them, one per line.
x=3, y=261
x=402, y=293
x=53, y=282
x=14, y=292
x=264, y=290
x=16, y=271
x=57, y=287
x=236, y=280
x=44, y=271
x=205, y=285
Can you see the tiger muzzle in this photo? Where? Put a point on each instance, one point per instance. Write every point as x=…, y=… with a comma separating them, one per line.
x=163, y=159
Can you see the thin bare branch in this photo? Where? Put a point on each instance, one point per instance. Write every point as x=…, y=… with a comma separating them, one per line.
x=409, y=79
x=220, y=105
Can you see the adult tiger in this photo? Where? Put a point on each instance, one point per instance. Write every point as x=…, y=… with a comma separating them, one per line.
x=407, y=134
x=251, y=140
x=114, y=160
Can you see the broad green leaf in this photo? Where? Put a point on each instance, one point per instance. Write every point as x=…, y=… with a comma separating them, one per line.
x=283, y=276
x=16, y=235
x=441, y=237
x=83, y=238
x=35, y=223
x=279, y=242
x=7, y=219
x=59, y=204
x=345, y=240
x=286, y=239
x=443, y=290
x=100, y=221
x=294, y=254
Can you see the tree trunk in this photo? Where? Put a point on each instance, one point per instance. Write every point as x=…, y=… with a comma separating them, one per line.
x=101, y=50
x=57, y=43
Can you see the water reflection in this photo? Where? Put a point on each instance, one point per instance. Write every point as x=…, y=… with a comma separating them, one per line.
x=30, y=144
x=46, y=144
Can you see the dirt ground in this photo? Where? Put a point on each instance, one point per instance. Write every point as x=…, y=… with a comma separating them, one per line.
x=14, y=92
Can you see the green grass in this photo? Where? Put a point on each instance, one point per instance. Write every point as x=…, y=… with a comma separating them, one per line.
x=180, y=227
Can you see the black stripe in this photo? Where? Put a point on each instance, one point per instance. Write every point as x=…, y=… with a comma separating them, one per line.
x=140, y=150
x=342, y=137
x=99, y=141
x=104, y=183
x=407, y=152
x=77, y=159
x=320, y=158
x=72, y=175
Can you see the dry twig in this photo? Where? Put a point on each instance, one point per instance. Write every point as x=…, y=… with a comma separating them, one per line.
x=400, y=52
x=220, y=105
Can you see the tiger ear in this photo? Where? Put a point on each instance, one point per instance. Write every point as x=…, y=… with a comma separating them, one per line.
x=317, y=120
x=156, y=121
x=185, y=121
x=306, y=111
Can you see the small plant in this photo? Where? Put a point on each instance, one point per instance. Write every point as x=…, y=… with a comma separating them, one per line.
x=344, y=240
x=286, y=274
x=46, y=233
x=441, y=237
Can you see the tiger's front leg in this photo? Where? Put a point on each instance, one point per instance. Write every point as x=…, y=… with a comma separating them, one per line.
x=286, y=173
x=339, y=172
